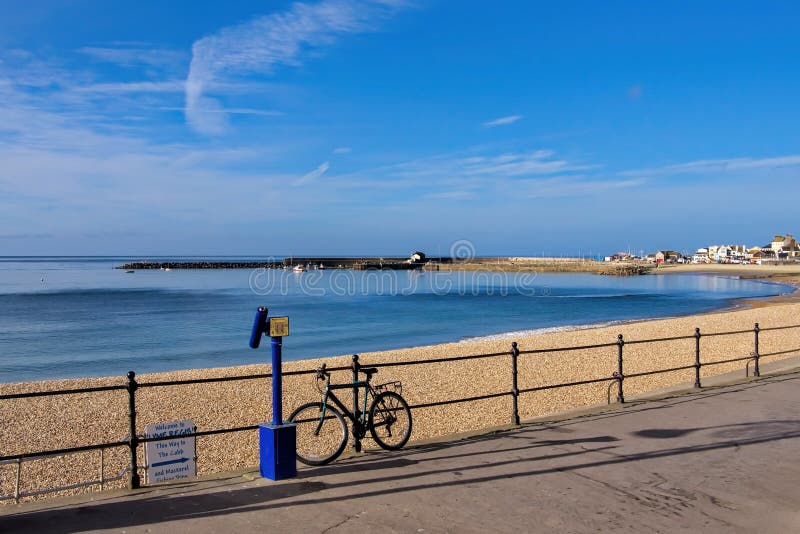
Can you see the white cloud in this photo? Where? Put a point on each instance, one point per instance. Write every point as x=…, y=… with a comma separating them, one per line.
x=313, y=175
x=263, y=43
x=342, y=150
x=64, y=176
x=718, y=166
x=135, y=54
x=169, y=86
x=509, y=165
x=502, y=121
x=235, y=111
x=452, y=177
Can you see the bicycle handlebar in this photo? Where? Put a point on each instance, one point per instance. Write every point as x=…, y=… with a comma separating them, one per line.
x=322, y=372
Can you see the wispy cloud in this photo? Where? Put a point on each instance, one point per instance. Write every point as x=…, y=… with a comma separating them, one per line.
x=511, y=165
x=710, y=166
x=502, y=121
x=508, y=165
x=30, y=82
x=342, y=150
x=235, y=111
x=64, y=176
x=263, y=43
x=135, y=54
x=169, y=86
x=313, y=175
x=462, y=177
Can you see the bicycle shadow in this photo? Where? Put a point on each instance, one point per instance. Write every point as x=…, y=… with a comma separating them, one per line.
x=139, y=510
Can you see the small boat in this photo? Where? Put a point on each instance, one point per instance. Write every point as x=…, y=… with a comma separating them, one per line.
x=299, y=269
x=130, y=272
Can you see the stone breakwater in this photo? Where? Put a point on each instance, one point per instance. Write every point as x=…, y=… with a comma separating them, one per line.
x=316, y=263
x=47, y=423
x=501, y=264
x=150, y=265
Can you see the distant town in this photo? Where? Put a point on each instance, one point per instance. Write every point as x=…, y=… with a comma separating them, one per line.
x=782, y=248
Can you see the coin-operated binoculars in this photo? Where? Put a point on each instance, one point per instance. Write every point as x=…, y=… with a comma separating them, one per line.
x=278, y=440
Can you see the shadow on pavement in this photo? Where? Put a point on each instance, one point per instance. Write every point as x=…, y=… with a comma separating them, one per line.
x=414, y=469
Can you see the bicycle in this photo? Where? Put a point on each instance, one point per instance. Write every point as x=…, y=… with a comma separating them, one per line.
x=322, y=433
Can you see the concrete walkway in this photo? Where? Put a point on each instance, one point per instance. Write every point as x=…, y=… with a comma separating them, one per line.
x=724, y=459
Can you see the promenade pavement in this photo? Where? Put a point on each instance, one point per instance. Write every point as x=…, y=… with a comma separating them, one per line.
x=723, y=459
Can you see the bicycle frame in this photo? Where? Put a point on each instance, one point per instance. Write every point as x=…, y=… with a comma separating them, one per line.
x=359, y=419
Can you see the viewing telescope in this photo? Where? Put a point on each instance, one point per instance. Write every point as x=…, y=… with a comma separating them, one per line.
x=260, y=327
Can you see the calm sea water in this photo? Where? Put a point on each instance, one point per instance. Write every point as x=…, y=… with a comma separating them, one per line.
x=73, y=317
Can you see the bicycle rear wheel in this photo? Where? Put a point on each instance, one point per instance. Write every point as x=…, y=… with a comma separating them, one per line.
x=390, y=420
x=319, y=440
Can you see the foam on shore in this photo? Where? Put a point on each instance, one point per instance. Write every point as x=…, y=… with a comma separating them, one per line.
x=516, y=334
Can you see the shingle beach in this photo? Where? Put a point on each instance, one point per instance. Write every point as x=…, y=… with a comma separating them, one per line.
x=28, y=425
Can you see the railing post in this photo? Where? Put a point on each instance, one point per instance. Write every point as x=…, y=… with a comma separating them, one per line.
x=102, y=471
x=134, y=482
x=356, y=436
x=619, y=374
x=756, y=371
x=17, y=483
x=514, y=389
x=697, y=358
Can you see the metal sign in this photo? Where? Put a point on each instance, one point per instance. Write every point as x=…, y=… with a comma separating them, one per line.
x=278, y=326
x=173, y=458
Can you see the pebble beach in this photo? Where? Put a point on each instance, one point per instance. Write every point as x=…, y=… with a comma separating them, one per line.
x=47, y=423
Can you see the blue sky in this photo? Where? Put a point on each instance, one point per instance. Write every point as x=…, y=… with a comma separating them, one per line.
x=381, y=127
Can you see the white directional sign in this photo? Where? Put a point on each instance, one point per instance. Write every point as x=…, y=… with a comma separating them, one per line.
x=172, y=458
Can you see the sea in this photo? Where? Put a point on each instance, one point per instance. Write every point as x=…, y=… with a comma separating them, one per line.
x=69, y=317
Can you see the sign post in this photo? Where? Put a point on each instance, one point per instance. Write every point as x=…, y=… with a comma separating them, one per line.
x=173, y=458
x=277, y=441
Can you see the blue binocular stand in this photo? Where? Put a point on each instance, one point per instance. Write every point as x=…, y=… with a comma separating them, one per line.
x=278, y=440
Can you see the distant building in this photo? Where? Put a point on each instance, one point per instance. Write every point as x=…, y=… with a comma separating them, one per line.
x=620, y=256
x=701, y=256
x=727, y=253
x=668, y=256
x=785, y=246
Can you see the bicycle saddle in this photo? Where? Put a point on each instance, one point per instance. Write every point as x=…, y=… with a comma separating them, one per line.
x=369, y=371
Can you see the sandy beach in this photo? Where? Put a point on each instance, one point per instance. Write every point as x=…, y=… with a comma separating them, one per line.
x=65, y=421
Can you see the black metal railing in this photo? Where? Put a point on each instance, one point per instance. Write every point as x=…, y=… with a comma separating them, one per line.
x=618, y=377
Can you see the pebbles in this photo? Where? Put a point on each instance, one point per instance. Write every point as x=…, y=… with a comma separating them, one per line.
x=46, y=423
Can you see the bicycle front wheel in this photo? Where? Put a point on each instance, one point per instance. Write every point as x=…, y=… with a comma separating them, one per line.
x=321, y=438
x=390, y=420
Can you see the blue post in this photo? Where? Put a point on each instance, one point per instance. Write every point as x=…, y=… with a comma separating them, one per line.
x=277, y=385
x=277, y=441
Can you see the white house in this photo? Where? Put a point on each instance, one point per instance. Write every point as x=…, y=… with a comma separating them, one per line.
x=727, y=253
x=701, y=256
x=785, y=246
